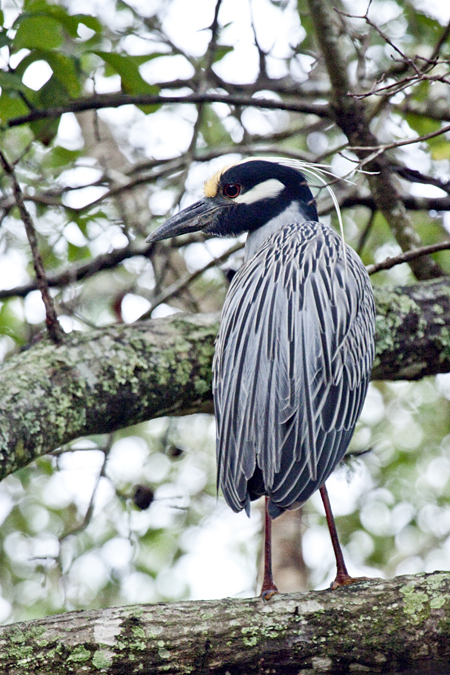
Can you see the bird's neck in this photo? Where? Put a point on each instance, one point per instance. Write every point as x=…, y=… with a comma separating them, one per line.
x=293, y=214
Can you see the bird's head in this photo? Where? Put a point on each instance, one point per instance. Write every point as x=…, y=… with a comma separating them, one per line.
x=242, y=198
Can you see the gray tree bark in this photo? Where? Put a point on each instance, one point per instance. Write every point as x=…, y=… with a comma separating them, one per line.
x=397, y=626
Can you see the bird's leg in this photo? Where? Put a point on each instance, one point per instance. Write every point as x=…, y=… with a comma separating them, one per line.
x=268, y=587
x=342, y=577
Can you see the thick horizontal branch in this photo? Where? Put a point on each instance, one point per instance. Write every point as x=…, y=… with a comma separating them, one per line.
x=101, y=381
x=101, y=101
x=396, y=626
x=117, y=376
x=412, y=338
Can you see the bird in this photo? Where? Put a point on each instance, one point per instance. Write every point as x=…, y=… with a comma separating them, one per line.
x=295, y=347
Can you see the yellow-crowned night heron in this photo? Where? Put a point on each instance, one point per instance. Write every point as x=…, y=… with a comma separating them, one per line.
x=296, y=342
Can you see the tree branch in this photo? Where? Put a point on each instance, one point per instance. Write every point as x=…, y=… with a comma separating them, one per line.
x=104, y=261
x=54, y=328
x=117, y=376
x=411, y=203
x=382, y=147
x=100, y=101
x=101, y=381
x=349, y=114
x=396, y=626
x=408, y=256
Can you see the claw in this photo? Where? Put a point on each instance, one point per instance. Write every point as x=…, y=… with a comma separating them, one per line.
x=267, y=593
x=346, y=580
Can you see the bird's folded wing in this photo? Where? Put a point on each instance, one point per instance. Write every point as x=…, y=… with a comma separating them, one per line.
x=293, y=360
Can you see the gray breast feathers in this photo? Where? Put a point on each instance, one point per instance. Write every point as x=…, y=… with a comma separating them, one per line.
x=292, y=364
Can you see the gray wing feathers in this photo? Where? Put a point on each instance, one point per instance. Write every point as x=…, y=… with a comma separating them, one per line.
x=293, y=359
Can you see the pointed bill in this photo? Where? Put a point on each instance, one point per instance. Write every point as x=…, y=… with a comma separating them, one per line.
x=192, y=219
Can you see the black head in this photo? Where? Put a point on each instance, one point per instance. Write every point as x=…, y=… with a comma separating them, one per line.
x=242, y=198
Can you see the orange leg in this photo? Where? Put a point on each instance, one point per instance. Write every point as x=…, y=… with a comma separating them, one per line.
x=268, y=587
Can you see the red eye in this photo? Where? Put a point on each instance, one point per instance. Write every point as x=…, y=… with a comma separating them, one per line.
x=231, y=190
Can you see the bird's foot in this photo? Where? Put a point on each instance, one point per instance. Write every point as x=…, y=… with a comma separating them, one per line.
x=268, y=590
x=346, y=580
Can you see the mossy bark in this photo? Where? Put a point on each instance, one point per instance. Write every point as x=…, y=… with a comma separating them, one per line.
x=397, y=626
x=101, y=381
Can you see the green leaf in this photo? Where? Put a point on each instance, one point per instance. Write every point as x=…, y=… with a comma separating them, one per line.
x=12, y=82
x=213, y=131
x=35, y=6
x=66, y=71
x=423, y=125
x=65, y=68
x=90, y=21
x=5, y=41
x=77, y=253
x=38, y=32
x=221, y=51
x=420, y=26
x=439, y=147
x=53, y=93
x=128, y=69
x=60, y=157
x=10, y=323
x=45, y=130
x=12, y=106
x=72, y=21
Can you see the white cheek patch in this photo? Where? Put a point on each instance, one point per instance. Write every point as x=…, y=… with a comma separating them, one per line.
x=268, y=189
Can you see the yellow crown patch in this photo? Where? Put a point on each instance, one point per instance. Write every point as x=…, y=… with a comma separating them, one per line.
x=211, y=185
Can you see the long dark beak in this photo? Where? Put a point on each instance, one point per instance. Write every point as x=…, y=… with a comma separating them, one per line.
x=192, y=219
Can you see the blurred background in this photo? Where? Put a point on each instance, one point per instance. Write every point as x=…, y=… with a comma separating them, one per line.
x=134, y=516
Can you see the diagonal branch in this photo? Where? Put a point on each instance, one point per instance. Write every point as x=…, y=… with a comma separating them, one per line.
x=397, y=144
x=407, y=256
x=75, y=273
x=184, y=281
x=55, y=331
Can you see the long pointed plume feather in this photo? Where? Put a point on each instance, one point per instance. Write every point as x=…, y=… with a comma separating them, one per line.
x=317, y=171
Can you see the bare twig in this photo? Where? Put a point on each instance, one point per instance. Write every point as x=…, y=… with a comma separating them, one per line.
x=54, y=328
x=90, y=509
x=407, y=256
x=350, y=115
x=441, y=42
x=365, y=233
x=397, y=144
x=396, y=87
x=420, y=73
x=79, y=272
x=187, y=279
